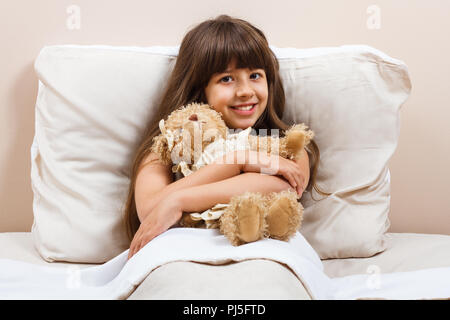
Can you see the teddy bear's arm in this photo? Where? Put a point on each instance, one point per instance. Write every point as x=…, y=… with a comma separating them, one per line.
x=290, y=146
x=160, y=148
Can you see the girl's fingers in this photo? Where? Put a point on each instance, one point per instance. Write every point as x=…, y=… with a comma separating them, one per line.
x=289, y=175
x=132, y=250
x=299, y=180
x=290, y=178
x=130, y=253
x=140, y=242
x=299, y=183
x=301, y=186
x=134, y=244
x=295, y=177
x=292, y=173
x=137, y=247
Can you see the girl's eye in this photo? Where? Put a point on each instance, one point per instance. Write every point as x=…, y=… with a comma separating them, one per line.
x=255, y=76
x=226, y=77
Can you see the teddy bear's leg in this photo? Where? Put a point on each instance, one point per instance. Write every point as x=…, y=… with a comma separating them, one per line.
x=284, y=214
x=243, y=220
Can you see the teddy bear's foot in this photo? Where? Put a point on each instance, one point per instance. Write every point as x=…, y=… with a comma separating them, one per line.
x=284, y=215
x=243, y=221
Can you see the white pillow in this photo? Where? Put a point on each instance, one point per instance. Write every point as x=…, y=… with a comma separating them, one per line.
x=95, y=101
x=92, y=106
x=350, y=96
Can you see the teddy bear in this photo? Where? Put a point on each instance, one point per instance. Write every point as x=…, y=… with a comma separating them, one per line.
x=196, y=135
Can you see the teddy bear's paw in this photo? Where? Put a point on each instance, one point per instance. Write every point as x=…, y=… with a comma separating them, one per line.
x=284, y=215
x=295, y=143
x=243, y=221
x=297, y=137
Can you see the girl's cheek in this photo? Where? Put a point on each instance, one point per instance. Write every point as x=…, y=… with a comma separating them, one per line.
x=227, y=93
x=263, y=85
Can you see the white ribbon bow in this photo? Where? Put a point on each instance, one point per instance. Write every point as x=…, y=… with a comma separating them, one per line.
x=168, y=134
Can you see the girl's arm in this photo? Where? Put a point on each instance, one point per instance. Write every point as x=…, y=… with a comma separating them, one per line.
x=226, y=167
x=153, y=183
x=203, y=197
x=200, y=198
x=169, y=210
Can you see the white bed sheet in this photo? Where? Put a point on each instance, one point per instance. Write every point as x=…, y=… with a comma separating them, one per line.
x=246, y=280
x=406, y=252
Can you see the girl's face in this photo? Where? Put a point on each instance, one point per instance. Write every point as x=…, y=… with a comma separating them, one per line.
x=239, y=94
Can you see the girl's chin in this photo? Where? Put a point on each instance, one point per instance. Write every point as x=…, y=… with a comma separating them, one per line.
x=242, y=125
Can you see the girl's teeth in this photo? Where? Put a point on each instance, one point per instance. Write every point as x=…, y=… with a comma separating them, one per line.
x=245, y=108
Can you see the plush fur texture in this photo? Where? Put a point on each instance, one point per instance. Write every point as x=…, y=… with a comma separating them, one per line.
x=251, y=216
x=295, y=139
x=284, y=214
x=196, y=121
x=244, y=220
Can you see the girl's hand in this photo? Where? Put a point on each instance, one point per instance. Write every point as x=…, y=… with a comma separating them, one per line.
x=275, y=165
x=161, y=218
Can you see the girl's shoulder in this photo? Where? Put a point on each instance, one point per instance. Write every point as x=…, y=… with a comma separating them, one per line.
x=153, y=160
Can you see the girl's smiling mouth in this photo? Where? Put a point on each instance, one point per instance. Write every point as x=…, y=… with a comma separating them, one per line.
x=245, y=109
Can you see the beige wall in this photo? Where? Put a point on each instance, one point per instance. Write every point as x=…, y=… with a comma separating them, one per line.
x=415, y=31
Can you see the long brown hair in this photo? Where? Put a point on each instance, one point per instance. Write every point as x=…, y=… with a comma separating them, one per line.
x=207, y=49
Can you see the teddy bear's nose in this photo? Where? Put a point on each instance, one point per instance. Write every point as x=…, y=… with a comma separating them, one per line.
x=193, y=117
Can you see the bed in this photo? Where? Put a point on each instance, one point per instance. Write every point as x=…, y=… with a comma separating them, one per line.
x=83, y=91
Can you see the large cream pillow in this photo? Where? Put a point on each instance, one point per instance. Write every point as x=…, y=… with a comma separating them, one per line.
x=351, y=97
x=92, y=106
x=94, y=102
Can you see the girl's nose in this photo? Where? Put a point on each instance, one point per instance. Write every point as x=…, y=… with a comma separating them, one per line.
x=245, y=90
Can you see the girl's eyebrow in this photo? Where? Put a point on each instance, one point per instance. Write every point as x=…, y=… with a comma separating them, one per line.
x=229, y=70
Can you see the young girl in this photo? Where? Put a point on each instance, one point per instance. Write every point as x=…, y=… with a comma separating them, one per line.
x=228, y=64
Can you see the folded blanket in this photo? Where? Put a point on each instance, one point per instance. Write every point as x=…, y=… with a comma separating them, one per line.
x=118, y=278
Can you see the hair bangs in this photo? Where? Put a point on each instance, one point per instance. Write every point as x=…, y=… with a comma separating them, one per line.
x=237, y=44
